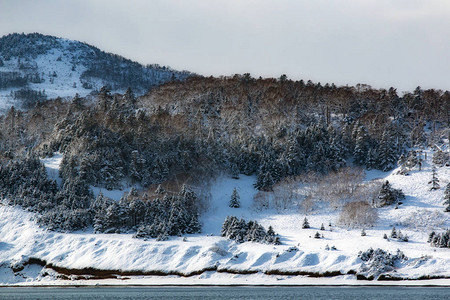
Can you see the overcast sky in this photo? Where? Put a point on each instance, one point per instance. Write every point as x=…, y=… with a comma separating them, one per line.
x=400, y=43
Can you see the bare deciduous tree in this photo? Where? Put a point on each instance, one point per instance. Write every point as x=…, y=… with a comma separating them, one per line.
x=358, y=213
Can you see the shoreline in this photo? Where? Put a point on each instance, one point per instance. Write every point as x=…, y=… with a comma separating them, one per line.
x=228, y=281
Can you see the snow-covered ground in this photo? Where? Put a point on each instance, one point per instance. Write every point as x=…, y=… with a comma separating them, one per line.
x=422, y=211
x=66, y=83
x=59, y=61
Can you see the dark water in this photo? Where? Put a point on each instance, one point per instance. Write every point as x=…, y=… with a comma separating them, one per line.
x=311, y=293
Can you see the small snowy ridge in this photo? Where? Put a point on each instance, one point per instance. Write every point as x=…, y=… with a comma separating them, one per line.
x=422, y=211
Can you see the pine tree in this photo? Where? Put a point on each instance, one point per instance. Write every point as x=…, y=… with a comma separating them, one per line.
x=434, y=180
x=363, y=232
x=402, y=164
x=447, y=198
x=305, y=224
x=361, y=146
x=431, y=236
x=235, y=199
x=322, y=227
x=387, y=152
x=388, y=195
x=234, y=171
x=194, y=225
x=412, y=160
x=393, y=233
x=440, y=158
x=317, y=235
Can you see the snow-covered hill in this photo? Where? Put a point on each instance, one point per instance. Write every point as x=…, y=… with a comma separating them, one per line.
x=211, y=259
x=58, y=67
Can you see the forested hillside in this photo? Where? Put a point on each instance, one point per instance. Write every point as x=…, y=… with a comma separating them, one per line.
x=186, y=132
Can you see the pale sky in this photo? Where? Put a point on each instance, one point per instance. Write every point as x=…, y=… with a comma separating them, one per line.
x=400, y=43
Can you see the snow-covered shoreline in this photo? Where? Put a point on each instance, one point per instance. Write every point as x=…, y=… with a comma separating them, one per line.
x=199, y=255
x=221, y=280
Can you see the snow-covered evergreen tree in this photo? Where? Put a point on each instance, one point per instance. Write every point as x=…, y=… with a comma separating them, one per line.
x=441, y=158
x=402, y=164
x=434, y=179
x=388, y=195
x=305, y=224
x=387, y=156
x=235, y=199
x=441, y=240
x=250, y=231
x=361, y=146
x=447, y=198
x=412, y=159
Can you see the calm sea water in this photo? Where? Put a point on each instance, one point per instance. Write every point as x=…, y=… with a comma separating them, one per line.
x=311, y=293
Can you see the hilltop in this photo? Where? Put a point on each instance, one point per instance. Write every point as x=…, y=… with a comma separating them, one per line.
x=36, y=67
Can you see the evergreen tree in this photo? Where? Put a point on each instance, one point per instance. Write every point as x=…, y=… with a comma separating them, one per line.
x=372, y=157
x=235, y=199
x=431, y=236
x=361, y=146
x=363, y=232
x=402, y=164
x=270, y=231
x=447, y=198
x=305, y=224
x=441, y=240
x=387, y=152
x=112, y=221
x=322, y=227
x=412, y=159
x=194, y=225
x=388, y=195
x=393, y=233
x=250, y=231
x=441, y=158
x=136, y=211
x=434, y=179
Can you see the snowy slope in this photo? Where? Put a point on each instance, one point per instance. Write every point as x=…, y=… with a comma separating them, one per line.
x=66, y=84
x=62, y=63
x=21, y=238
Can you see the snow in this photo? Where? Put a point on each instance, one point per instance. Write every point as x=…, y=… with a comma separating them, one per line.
x=52, y=166
x=221, y=191
x=422, y=211
x=63, y=84
x=59, y=59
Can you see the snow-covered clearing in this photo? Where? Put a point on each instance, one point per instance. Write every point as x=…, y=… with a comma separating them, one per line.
x=422, y=211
